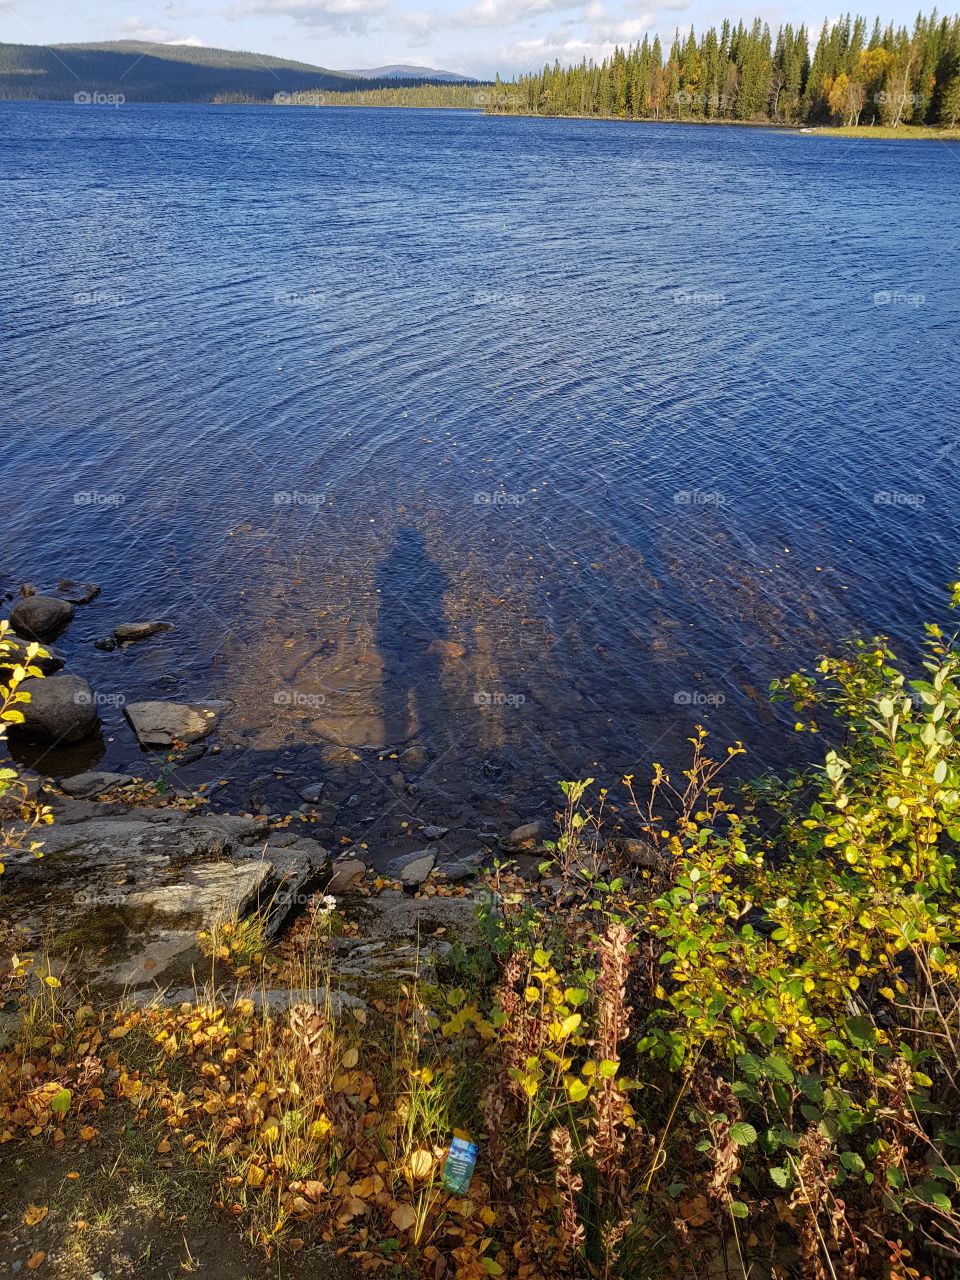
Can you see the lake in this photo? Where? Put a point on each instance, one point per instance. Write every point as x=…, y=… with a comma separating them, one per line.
x=494, y=450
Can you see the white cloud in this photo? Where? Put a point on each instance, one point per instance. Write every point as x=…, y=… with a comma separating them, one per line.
x=344, y=16
x=138, y=29
x=596, y=37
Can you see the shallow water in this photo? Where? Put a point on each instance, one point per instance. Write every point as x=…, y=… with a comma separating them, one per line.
x=629, y=419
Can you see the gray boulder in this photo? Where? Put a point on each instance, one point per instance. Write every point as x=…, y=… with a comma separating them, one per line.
x=159, y=724
x=61, y=709
x=54, y=661
x=40, y=617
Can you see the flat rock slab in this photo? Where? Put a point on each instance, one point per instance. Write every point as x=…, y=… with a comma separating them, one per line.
x=400, y=938
x=129, y=890
x=86, y=785
x=160, y=724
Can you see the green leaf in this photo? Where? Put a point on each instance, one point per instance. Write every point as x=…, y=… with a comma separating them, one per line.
x=60, y=1102
x=861, y=1032
x=743, y=1134
x=739, y=1209
x=851, y=1161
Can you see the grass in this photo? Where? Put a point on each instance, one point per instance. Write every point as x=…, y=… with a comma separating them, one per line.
x=905, y=133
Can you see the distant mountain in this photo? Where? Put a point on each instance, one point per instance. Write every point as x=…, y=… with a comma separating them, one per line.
x=148, y=72
x=401, y=71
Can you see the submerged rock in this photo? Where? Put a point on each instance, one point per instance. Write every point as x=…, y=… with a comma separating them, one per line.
x=62, y=709
x=127, y=632
x=312, y=792
x=77, y=592
x=159, y=724
x=40, y=617
x=447, y=648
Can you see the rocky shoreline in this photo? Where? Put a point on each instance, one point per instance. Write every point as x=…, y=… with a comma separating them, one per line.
x=133, y=871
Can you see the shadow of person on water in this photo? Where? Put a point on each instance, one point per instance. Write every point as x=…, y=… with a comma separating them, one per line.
x=411, y=628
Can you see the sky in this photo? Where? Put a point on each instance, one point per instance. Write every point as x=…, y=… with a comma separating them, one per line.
x=474, y=37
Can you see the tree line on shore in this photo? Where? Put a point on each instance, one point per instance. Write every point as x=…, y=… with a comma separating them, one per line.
x=855, y=75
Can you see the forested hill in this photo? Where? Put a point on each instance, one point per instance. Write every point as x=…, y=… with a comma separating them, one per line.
x=157, y=73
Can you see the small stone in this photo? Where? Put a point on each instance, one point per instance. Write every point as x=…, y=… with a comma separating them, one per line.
x=412, y=869
x=107, y=644
x=640, y=852
x=398, y=780
x=40, y=617
x=463, y=868
x=347, y=874
x=520, y=835
x=158, y=724
x=312, y=792
x=432, y=832
x=128, y=632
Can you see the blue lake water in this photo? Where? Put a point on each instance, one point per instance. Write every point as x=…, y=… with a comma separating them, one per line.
x=517, y=446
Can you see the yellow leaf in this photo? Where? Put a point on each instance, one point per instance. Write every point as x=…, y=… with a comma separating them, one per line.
x=256, y=1175
x=36, y=1260
x=421, y=1162
x=51, y=981
x=35, y=1213
x=350, y=1059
